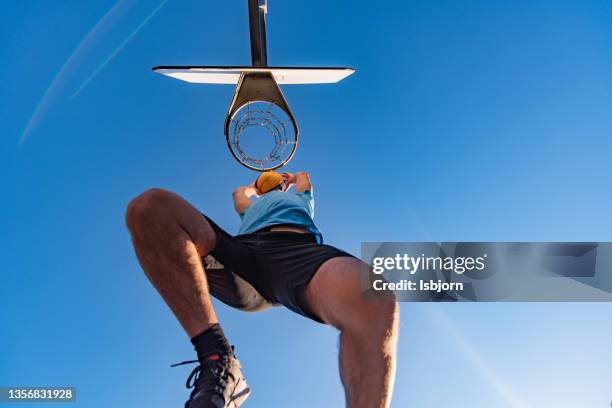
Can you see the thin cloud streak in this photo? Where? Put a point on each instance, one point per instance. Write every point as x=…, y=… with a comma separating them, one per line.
x=119, y=48
x=475, y=358
x=72, y=61
x=57, y=81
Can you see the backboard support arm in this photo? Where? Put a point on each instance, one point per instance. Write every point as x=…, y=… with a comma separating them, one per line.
x=257, y=25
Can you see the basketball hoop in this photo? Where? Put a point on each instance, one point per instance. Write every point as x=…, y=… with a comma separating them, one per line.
x=260, y=129
x=261, y=136
x=259, y=113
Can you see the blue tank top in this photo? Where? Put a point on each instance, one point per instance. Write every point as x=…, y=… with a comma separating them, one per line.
x=277, y=207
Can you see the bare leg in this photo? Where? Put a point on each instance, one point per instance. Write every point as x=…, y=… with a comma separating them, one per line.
x=368, y=332
x=170, y=238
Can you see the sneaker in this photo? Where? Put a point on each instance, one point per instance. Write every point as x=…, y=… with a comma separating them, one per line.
x=217, y=382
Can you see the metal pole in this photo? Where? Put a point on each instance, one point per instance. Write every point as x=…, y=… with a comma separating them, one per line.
x=257, y=25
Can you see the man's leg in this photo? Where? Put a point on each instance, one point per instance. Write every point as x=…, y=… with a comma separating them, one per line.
x=170, y=238
x=368, y=331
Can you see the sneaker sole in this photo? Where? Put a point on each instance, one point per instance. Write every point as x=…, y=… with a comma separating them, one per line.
x=240, y=394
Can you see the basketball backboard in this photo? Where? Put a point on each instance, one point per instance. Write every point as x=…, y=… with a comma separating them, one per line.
x=231, y=75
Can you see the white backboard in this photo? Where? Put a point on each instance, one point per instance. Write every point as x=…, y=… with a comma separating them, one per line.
x=282, y=75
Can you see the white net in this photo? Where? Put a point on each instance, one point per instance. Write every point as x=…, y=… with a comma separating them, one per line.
x=262, y=136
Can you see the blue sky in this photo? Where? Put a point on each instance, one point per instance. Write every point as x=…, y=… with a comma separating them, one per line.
x=478, y=120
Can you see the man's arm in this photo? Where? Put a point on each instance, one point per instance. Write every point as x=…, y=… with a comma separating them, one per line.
x=301, y=179
x=242, y=198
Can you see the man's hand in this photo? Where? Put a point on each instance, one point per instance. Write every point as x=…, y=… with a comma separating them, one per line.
x=290, y=179
x=301, y=180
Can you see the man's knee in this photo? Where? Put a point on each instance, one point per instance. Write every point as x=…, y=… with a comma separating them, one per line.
x=347, y=309
x=160, y=215
x=147, y=208
x=371, y=315
x=380, y=317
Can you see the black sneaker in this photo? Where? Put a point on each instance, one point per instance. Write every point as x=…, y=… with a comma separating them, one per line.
x=217, y=382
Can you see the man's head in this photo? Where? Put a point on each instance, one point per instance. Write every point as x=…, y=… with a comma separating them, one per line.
x=269, y=181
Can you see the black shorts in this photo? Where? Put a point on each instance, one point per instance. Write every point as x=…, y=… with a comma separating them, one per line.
x=252, y=272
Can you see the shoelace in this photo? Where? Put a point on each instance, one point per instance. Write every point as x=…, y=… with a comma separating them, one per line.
x=216, y=382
